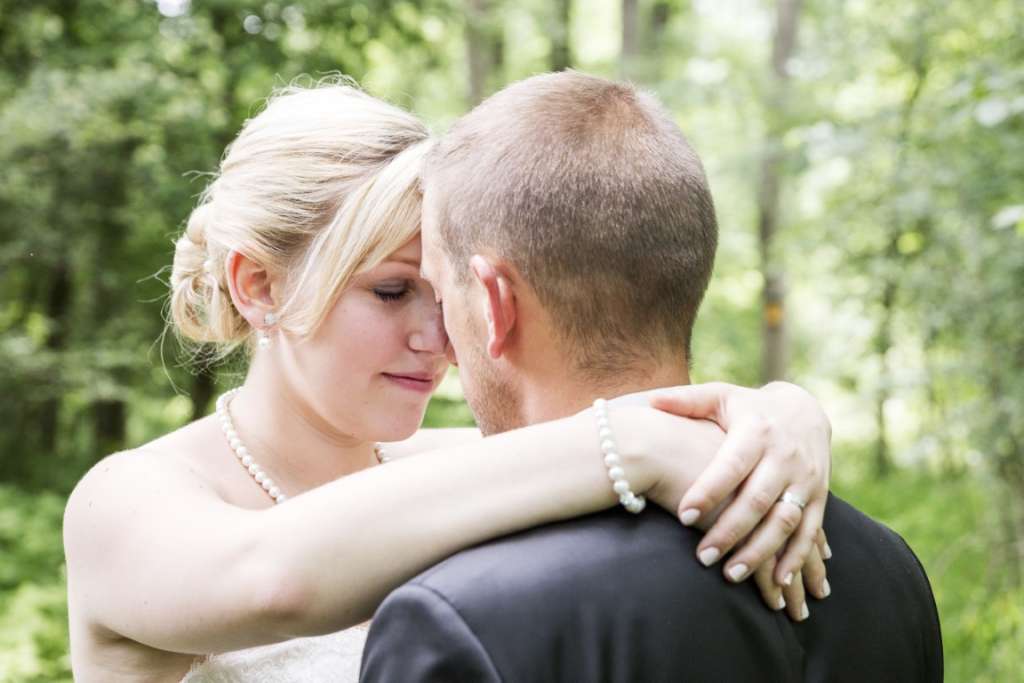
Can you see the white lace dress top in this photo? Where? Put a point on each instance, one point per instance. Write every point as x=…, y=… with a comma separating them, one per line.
x=334, y=657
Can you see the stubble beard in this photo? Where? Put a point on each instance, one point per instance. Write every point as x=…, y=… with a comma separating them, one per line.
x=492, y=398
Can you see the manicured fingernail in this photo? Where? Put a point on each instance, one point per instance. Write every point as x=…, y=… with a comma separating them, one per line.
x=828, y=552
x=804, y=612
x=689, y=516
x=782, y=602
x=826, y=590
x=737, y=572
x=708, y=556
x=788, y=579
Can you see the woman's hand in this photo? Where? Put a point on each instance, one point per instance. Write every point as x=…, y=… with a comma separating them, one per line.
x=778, y=442
x=792, y=598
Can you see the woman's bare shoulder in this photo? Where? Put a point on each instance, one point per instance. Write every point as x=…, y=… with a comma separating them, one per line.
x=161, y=468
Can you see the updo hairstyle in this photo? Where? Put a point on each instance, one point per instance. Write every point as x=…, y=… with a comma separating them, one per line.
x=321, y=185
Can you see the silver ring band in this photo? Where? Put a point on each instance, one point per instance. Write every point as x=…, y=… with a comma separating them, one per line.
x=789, y=497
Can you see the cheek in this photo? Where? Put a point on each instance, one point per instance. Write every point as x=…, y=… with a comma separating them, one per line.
x=456, y=317
x=361, y=338
x=454, y=328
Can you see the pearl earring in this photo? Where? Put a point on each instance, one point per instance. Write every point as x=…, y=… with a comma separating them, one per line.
x=262, y=340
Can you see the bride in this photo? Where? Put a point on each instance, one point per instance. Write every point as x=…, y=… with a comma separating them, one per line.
x=251, y=544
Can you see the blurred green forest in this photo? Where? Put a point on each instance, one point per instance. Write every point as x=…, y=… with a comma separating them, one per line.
x=867, y=159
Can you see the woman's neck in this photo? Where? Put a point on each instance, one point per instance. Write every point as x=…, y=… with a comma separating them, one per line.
x=286, y=436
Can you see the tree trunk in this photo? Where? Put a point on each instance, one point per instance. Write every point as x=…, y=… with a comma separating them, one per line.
x=1009, y=467
x=57, y=308
x=938, y=414
x=1011, y=523
x=58, y=304
x=561, y=51
x=660, y=14
x=890, y=279
x=773, y=323
x=484, y=51
x=109, y=414
x=630, y=38
x=883, y=342
x=202, y=392
x=109, y=418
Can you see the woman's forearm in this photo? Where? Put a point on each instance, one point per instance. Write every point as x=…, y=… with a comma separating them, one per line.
x=431, y=439
x=347, y=544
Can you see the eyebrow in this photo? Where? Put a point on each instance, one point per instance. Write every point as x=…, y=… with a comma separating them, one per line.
x=415, y=263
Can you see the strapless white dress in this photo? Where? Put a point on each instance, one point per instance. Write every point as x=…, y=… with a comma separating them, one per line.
x=334, y=657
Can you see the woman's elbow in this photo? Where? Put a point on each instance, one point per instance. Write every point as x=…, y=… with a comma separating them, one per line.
x=278, y=599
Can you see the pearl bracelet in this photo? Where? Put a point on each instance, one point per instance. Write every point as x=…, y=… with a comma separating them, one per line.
x=629, y=500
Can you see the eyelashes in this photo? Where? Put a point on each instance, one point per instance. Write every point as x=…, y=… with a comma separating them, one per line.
x=389, y=295
x=394, y=290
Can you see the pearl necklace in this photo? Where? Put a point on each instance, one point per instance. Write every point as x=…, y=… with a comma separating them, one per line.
x=246, y=459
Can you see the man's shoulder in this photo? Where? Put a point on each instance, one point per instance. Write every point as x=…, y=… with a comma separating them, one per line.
x=651, y=551
x=550, y=556
x=567, y=601
x=870, y=542
x=608, y=567
x=881, y=615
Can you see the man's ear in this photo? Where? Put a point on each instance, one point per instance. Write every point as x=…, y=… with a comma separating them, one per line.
x=499, y=303
x=250, y=286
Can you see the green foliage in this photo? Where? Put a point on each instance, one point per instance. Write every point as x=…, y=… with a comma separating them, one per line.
x=448, y=412
x=33, y=608
x=109, y=110
x=950, y=523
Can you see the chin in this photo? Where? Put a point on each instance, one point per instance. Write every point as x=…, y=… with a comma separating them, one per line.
x=403, y=426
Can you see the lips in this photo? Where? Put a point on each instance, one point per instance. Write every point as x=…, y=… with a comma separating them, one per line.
x=418, y=376
x=416, y=381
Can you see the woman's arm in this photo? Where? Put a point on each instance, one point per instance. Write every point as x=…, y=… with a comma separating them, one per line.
x=155, y=556
x=804, y=437
x=431, y=439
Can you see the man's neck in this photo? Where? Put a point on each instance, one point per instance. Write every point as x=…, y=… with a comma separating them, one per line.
x=551, y=397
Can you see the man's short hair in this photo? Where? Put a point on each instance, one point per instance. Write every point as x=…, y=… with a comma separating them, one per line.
x=592, y=192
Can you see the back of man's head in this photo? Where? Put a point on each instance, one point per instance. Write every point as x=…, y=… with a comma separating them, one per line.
x=591, y=191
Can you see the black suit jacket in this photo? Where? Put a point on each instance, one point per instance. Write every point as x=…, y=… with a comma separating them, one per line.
x=621, y=598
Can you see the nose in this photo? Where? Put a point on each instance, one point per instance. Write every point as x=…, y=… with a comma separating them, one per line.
x=430, y=336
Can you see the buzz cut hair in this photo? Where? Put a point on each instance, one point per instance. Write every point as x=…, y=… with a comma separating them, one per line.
x=589, y=188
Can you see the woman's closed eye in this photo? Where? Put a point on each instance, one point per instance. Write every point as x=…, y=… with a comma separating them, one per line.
x=390, y=293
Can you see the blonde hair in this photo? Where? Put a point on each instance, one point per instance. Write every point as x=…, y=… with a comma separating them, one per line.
x=318, y=187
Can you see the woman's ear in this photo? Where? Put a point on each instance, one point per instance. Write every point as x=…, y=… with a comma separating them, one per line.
x=499, y=303
x=250, y=286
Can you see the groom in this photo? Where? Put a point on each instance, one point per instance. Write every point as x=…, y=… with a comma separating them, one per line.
x=570, y=232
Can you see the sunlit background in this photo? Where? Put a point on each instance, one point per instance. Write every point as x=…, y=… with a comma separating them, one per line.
x=867, y=160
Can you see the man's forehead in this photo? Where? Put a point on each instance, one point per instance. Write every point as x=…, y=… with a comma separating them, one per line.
x=428, y=231
x=431, y=198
